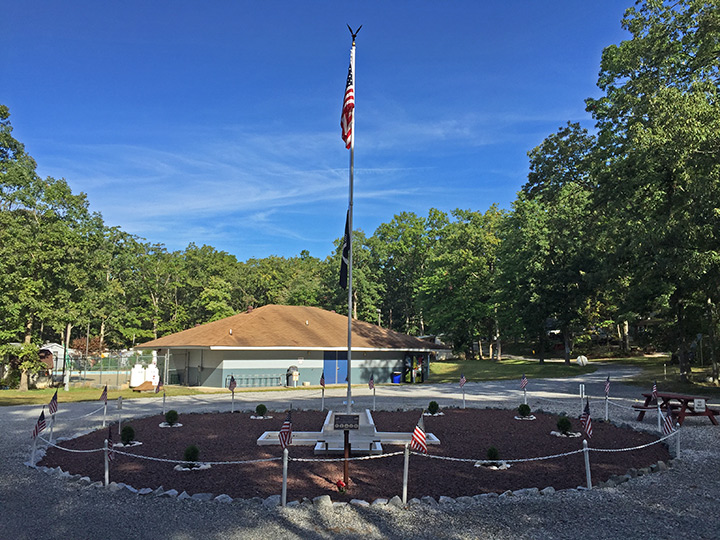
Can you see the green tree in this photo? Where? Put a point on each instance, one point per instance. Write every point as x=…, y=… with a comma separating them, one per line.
x=457, y=288
x=401, y=249
x=659, y=140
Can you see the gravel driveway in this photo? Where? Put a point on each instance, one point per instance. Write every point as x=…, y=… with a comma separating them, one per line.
x=682, y=501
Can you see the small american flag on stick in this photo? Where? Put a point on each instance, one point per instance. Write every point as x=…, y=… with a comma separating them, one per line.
x=233, y=383
x=285, y=434
x=418, y=441
x=322, y=379
x=523, y=381
x=40, y=425
x=103, y=396
x=111, y=452
x=371, y=382
x=159, y=385
x=586, y=421
x=654, y=391
x=53, y=405
x=463, y=380
x=607, y=386
x=668, y=426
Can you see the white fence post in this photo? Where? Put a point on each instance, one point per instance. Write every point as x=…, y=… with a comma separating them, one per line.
x=587, y=464
x=606, y=407
x=34, y=448
x=283, y=499
x=405, y=473
x=677, y=441
x=107, y=464
x=119, y=408
x=582, y=398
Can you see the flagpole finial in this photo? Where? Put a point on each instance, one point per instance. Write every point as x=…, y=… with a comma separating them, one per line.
x=355, y=33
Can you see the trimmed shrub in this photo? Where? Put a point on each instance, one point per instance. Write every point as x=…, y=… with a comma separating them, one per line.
x=524, y=410
x=171, y=417
x=433, y=407
x=563, y=425
x=192, y=453
x=260, y=410
x=493, y=454
x=127, y=435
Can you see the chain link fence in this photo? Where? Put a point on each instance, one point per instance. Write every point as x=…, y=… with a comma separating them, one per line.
x=112, y=369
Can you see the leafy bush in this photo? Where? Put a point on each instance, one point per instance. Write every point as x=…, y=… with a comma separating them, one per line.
x=192, y=453
x=171, y=417
x=260, y=410
x=127, y=435
x=493, y=453
x=12, y=380
x=524, y=410
x=433, y=407
x=563, y=425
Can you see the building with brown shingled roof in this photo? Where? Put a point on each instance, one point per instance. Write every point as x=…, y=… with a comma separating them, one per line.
x=263, y=346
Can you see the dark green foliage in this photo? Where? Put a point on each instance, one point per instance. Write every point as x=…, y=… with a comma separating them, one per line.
x=127, y=435
x=524, y=410
x=563, y=425
x=260, y=410
x=493, y=453
x=192, y=453
x=433, y=407
x=171, y=417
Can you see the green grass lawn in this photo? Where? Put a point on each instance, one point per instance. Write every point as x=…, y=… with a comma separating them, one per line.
x=488, y=370
x=658, y=368
x=43, y=395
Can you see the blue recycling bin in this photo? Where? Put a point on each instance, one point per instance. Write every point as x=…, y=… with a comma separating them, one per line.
x=396, y=377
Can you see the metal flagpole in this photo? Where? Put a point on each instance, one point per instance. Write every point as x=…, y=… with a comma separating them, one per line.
x=350, y=229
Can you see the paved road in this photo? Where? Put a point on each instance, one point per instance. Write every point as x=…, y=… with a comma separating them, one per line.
x=683, y=500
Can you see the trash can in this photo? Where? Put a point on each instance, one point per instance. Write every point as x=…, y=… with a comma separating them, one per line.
x=396, y=377
x=291, y=376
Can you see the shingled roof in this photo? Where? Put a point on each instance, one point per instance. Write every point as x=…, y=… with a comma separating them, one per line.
x=289, y=327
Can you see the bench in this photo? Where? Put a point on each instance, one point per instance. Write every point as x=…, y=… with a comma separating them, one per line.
x=681, y=404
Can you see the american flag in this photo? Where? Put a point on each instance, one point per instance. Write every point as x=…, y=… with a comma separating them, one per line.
x=371, y=382
x=233, y=383
x=523, y=381
x=322, y=379
x=463, y=380
x=418, y=441
x=111, y=452
x=607, y=386
x=103, y=396
x=667, y=426
x=285, y=434
x=53, y=405
x=345, y=253
x=586, y=421
x=654, y=391
x=159, y=385
x=348, y=108
x=40, y=426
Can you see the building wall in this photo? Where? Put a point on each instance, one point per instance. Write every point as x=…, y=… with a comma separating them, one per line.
x=199, y=367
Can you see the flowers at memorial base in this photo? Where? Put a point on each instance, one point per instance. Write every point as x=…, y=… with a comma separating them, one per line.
x=342, y=487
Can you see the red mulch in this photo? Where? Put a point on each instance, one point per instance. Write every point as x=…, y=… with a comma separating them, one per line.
x=464, y=433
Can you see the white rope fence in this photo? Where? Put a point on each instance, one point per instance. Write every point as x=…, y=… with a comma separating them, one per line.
x=109, y=452
x=407, y=452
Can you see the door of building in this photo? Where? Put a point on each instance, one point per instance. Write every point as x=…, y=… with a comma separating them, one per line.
x=335, y=367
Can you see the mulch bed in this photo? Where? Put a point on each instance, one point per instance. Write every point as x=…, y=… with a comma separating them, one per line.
x=464, y=433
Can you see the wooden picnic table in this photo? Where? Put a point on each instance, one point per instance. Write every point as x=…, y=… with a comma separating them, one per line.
x=681, y=405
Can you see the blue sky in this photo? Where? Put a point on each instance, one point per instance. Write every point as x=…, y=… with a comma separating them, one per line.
x=217, y=122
